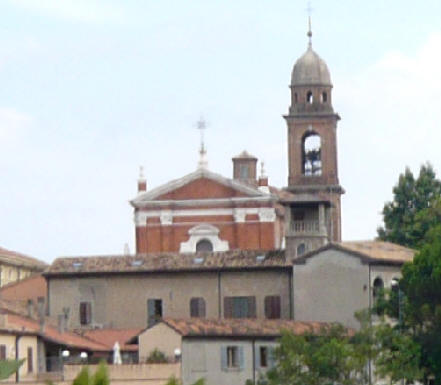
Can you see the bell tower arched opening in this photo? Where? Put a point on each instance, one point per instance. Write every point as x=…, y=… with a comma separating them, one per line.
x=311, y=155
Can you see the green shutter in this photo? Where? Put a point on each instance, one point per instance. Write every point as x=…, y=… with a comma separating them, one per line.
x=241, y=358
x=224, y=358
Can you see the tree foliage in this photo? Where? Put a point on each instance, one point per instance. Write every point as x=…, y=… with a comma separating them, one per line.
x=100, y=377
x=327, y=358
x=9, y=367
x=415, y=208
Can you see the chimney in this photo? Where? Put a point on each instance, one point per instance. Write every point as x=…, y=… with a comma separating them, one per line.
x=41, y=313
x=142, y=182
x=244, y=168
x=30, y=308
x=61, y=324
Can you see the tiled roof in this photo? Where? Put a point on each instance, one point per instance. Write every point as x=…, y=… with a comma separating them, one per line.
x=31, y=287
x=51, y=333
x=108, y=337
x=18, y=259
x=169, y=262
x=381, y=250
x=241, y=327
x=375, y=252
x=244, y=155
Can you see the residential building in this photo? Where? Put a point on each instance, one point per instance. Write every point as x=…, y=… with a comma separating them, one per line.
x=223, y=352
x=16, y=266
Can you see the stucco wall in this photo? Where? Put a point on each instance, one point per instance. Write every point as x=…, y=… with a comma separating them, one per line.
x=114, y=297
x=331, y=286
x=201, y=358
x=159, y=337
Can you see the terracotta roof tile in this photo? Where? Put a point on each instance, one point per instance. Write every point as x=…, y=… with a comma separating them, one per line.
x=241, y=327
x=380, y=250
x=19, y=259
x=51, y=333
x=234, y=259
x=108, y=337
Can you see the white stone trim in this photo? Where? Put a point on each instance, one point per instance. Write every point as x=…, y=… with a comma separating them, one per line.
x=166, y=217
x=200, y=173
x=266, y=214
x=200, y=232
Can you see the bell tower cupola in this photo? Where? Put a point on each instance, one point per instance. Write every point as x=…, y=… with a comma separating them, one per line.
x=313, y=212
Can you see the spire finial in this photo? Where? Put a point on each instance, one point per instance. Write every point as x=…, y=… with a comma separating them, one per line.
x=309, y=34
x=141, y=173
x=201, y=125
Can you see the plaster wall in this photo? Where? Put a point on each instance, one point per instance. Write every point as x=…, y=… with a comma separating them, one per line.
x=330, y=286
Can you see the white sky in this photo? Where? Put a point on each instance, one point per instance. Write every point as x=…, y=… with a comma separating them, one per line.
x=90, y=90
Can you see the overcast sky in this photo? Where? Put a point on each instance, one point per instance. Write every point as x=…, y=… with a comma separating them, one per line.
x=90, y=90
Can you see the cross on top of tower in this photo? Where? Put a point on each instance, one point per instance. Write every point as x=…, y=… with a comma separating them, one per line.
x=201, y=125
x=309, y=34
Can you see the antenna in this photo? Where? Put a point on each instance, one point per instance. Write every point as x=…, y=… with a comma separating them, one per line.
x=201, y=125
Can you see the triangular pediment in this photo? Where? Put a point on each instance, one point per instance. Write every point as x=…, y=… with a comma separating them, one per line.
x=199, y=185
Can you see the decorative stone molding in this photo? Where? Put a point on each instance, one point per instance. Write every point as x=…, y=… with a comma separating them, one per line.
x=267, y=214
x=200, y=232
x=166, y=218
x=240, y=215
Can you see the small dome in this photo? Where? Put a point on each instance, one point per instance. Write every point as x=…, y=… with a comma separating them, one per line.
x=310, y=69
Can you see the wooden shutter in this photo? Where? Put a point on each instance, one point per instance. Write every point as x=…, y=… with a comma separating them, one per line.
x=272, y=307
x=194, y=311
x=228, y=307
x=251, y=307
x=30, y=360
x=224, y=358
x=85, y=313
x=241, y=358
x=150, y=312
x=2, y=352
x=201, y=307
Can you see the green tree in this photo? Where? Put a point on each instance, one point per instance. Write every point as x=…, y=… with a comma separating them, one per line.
x=411, y=213
x=327, y=358
x=421, y=287
x=9, y=367
x=101, y=376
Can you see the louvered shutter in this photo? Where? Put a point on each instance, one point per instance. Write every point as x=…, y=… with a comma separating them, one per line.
x=2, y=352
x=194, y=310
x=241, y=358
x=224, y=358
x=228, y=307
x=201, y=307
x=251, y=307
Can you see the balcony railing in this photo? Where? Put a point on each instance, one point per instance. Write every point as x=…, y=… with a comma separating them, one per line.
x=305, y=227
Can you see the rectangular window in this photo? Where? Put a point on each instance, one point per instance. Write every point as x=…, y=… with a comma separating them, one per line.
x=2, y=352
x=30, y=360
x=263, y=357
x=154, y=311
x=272, y=307
x=240, y=307
x=85, y=313
x=232, y=357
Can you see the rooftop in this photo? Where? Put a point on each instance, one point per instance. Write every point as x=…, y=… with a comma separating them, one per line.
x=169, y=262
x=240, y=327
x=19, y=259
x=108, y=337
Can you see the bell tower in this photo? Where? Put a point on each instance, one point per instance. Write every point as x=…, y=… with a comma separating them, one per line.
x=313, y=211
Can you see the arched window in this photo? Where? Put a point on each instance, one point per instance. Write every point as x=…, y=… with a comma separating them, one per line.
x=324, y=97
x=301, y=249
x=309, y=97
x=197, y=307
x=295, y=97
x=312, y=157
x=204, y=245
